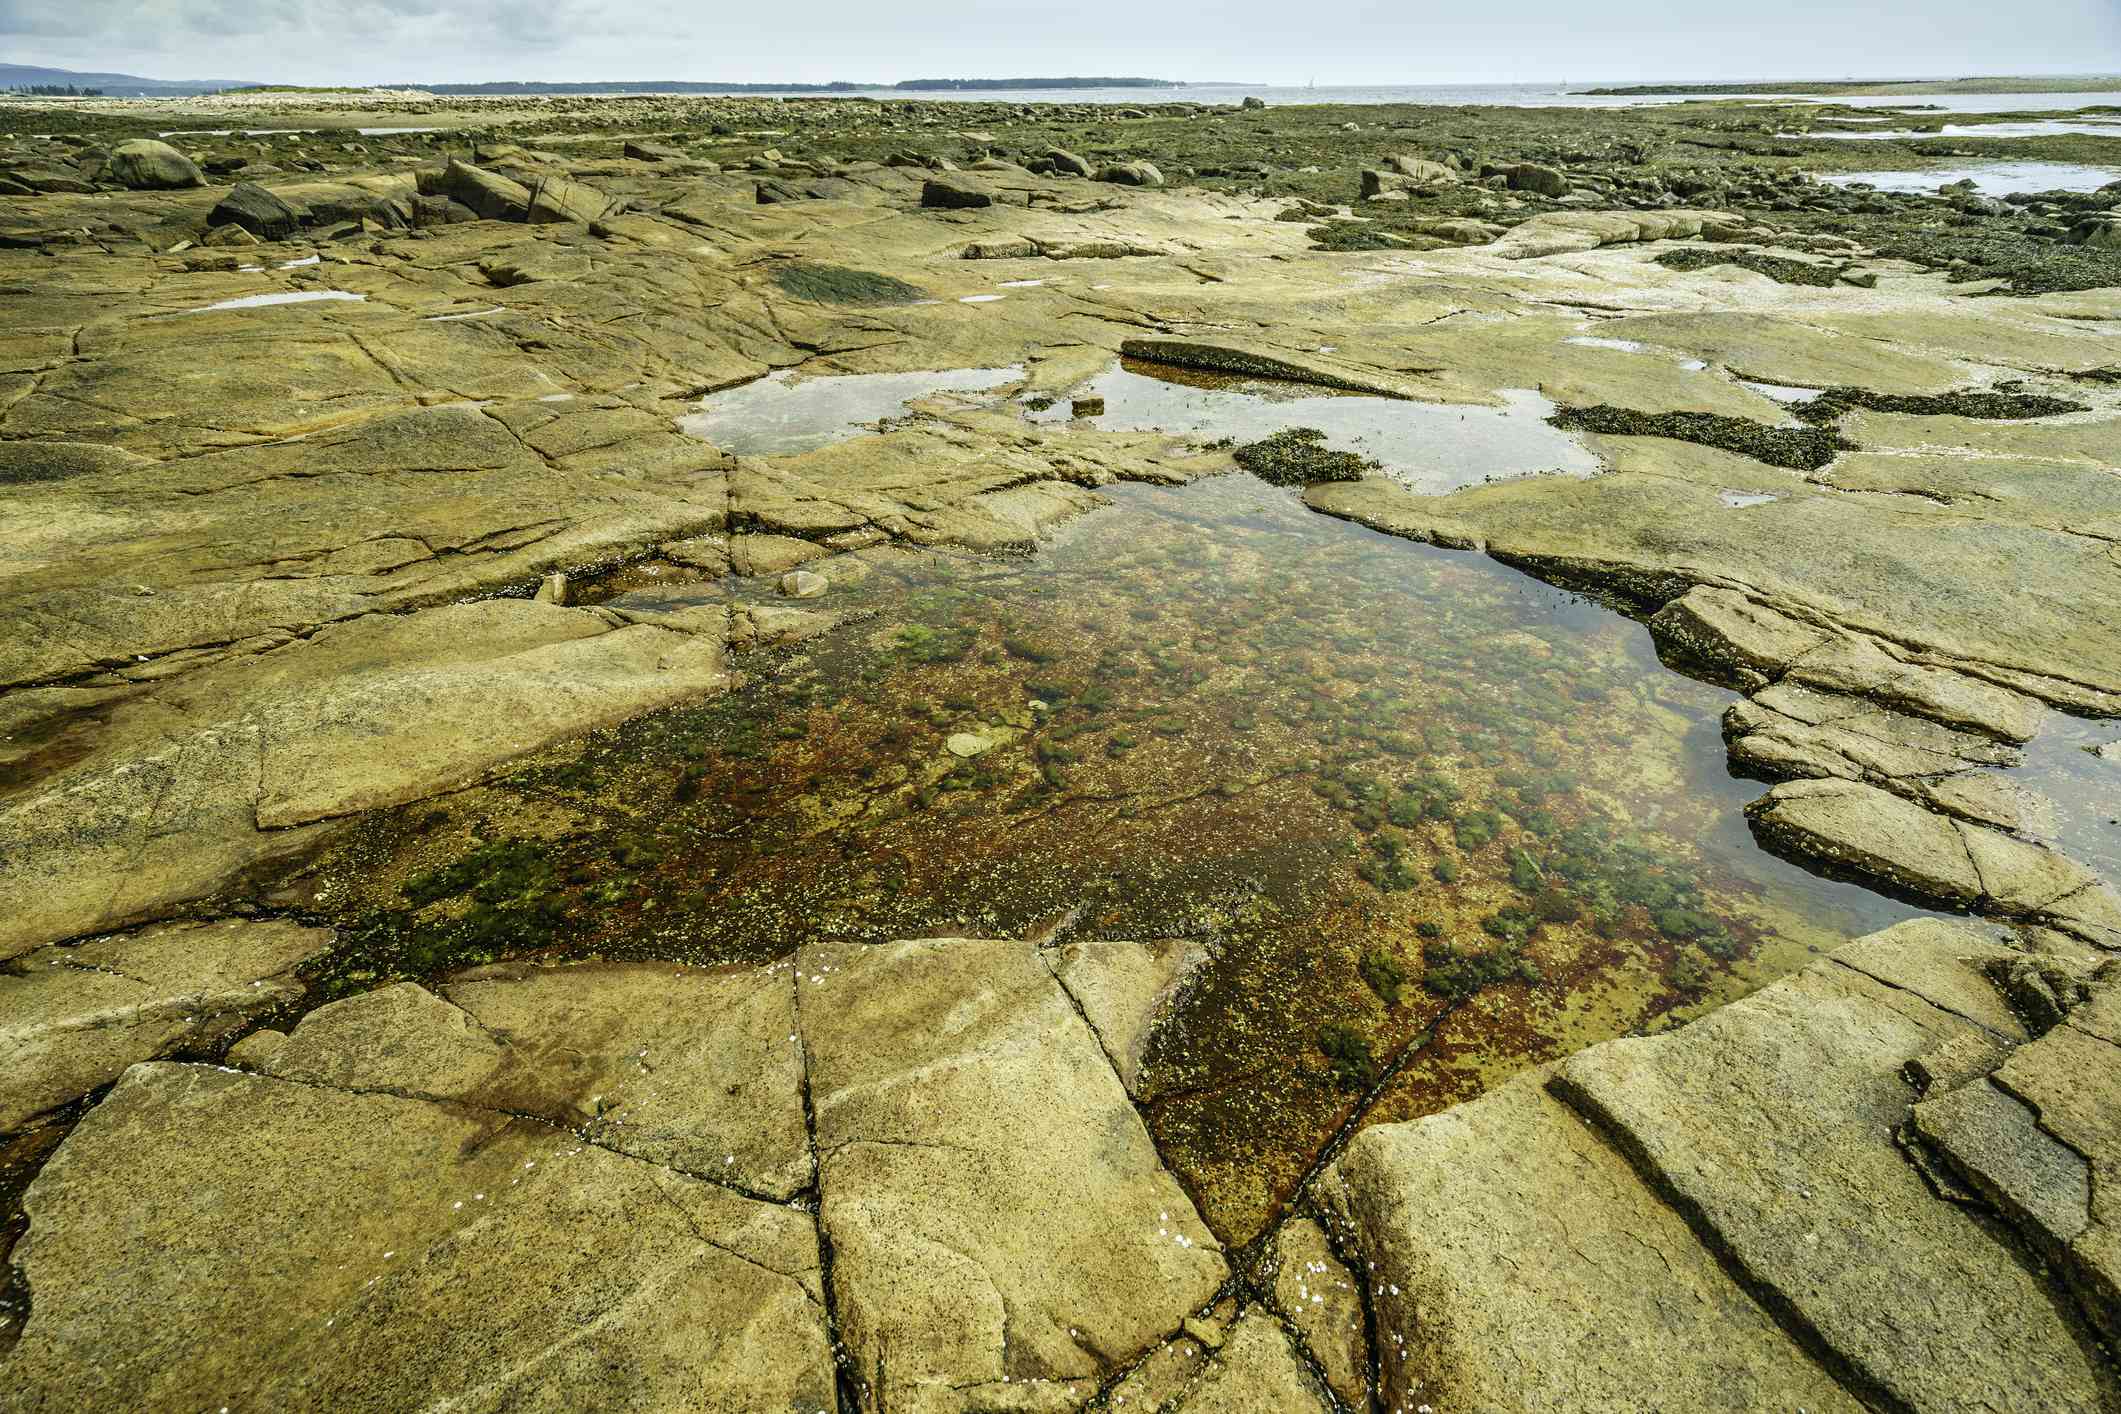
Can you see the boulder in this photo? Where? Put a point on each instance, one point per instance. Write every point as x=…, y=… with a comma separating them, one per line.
x=1132, y=174
x=955, y=193
x=1377, y=185
x=652, y=152
x=1069, y=163
x=144, y=164
x=1422, y=171
x=1540, y=181
x=255, y=209
x=440, y=211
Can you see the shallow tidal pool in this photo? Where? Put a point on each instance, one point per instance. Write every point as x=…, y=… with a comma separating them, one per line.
x=1407, y=820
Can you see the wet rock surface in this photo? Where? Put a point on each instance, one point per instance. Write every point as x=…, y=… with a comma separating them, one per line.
x=653, y=704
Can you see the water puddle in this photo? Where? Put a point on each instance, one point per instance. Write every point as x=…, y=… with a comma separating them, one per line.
x=283, y=297
x=1739, y=499
x=980, y=299
x=1989, y=178
x=1020, y=284
x=1779, y=392
x=1592, y=341
x=1429, y=448
x=1414, y=820
x=467, y=314
x=2045, y=127
x=300, y=261
x=2076, y=797
x=780, y=413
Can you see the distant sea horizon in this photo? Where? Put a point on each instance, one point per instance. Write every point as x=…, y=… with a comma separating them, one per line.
x=1559, y=94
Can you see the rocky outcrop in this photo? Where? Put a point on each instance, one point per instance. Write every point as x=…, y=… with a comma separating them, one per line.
x=162, y=817
x=530, y=1168
x=955, y=192
x=1879, y=836
x=982, y=1246
x=207, y=1238
x=1566, y=233
x=256, y=210
x=1736, y=1214
x=1322, y=1300
x=76, y=1017
x=488, y=195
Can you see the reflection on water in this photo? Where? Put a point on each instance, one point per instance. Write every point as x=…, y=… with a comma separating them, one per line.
x=1780, y=392
x=1418, y=820
x=1429, y=448
x=284, y=297
x=2077, y=796
x=780, y=413
x=2045, y=127
x=1989, y=178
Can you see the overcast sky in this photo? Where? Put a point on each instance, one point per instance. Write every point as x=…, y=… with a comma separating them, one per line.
x=1264, y=41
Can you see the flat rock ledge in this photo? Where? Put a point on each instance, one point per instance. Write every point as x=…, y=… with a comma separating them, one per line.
x=502, y=1192
x=1865, y=1186
x=909, y=1176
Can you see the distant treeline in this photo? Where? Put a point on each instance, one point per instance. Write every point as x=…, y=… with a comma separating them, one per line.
x=683, y=86
x=1036, y=83
x=54, y=90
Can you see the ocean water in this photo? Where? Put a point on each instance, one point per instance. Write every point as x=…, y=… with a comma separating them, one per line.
x=1561, y=94
x=1989, y=178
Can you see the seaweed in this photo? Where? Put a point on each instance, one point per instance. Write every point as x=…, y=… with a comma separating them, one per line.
x=1299, y=456
x=836, y=284
x=1793, y=448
